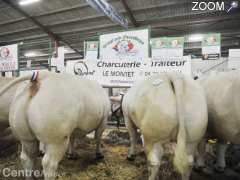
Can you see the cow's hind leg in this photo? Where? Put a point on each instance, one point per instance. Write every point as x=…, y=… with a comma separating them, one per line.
x=221, y=162
x=28, y=157
x=154, y=154
x=71, y=153
x=191, y=151
x=53, y=155
x=200, y=163
x=98, y=137
x=132, y=130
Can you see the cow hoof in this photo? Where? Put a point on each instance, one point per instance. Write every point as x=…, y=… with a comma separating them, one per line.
x=131, y=157
x=199, y=169
x=99, y=156
x=219, y=169
x=73, y=156
x=237, y=169
x=40, y=154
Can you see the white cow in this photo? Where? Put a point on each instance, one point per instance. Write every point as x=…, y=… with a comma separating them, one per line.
x=223, y=99
x=166, y=107
x=5, y=102
x=6, y=137
x=49, y=110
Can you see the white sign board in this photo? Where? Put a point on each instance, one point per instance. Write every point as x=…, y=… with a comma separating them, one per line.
x=234, y=59
x=200, y=66
x=59, y=60
x=91, y=50
x=179, y=65
x=9, y=58
x=234, y=53
x=125, y=45
x=234, y=63
x=123, y=73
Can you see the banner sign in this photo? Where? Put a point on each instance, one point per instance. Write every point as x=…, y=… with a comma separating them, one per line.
x=130, y=45
x=58, y=61
x=234, y=59
x=91, y=50
x=9, y=58
x=200, y=66
x=234, y=53
x=122, y=73
x=167, y=47
x=211, y=46
x=173, y=64
x=104, y=7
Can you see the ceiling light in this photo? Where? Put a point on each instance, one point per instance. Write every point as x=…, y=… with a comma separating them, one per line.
x=27, y=2
x=30, y=54
x=195, y=38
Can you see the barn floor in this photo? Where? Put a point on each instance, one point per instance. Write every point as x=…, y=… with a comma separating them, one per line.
x=113, y=167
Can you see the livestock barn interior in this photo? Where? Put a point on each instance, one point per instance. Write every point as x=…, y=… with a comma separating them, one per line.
x=116, y=43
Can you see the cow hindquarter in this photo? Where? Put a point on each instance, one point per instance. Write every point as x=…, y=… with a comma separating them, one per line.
x=223, y=107
x=196, y=116
x=18, y=114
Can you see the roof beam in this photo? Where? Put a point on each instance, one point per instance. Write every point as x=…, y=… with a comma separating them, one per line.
x=183, y=17
x=159, y=23
x=185, y=20
x=52, y=12
x=129, y=13
x=45, y=29
x=166, y=5
x=36, y=22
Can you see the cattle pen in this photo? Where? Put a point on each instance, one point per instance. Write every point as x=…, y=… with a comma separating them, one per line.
x=119, y=90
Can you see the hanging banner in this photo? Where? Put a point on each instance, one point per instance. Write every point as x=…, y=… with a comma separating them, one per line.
x=123, y=73
x=200, y=66
x=170, y=64
x=234, y=59
x=211, y=46
x=9, y=58
x=234, y=53
x=130, y=45
x=58, y=61
x=115, y=73
x=91, y=50
x=167, y=47
x=103, y=6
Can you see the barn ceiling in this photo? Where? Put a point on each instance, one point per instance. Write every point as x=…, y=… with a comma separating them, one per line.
x=71, y=22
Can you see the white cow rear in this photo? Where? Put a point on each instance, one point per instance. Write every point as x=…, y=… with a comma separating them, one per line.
x=223, y=99
x=166, y=108
x=49, y=110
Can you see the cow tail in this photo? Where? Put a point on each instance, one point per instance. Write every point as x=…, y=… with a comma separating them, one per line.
x=33, y=87
x=180, y=161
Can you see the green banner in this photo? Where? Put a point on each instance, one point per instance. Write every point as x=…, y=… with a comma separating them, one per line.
x=167, y=42
x=211, y=40
x=157, y=43
x=91, y=45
